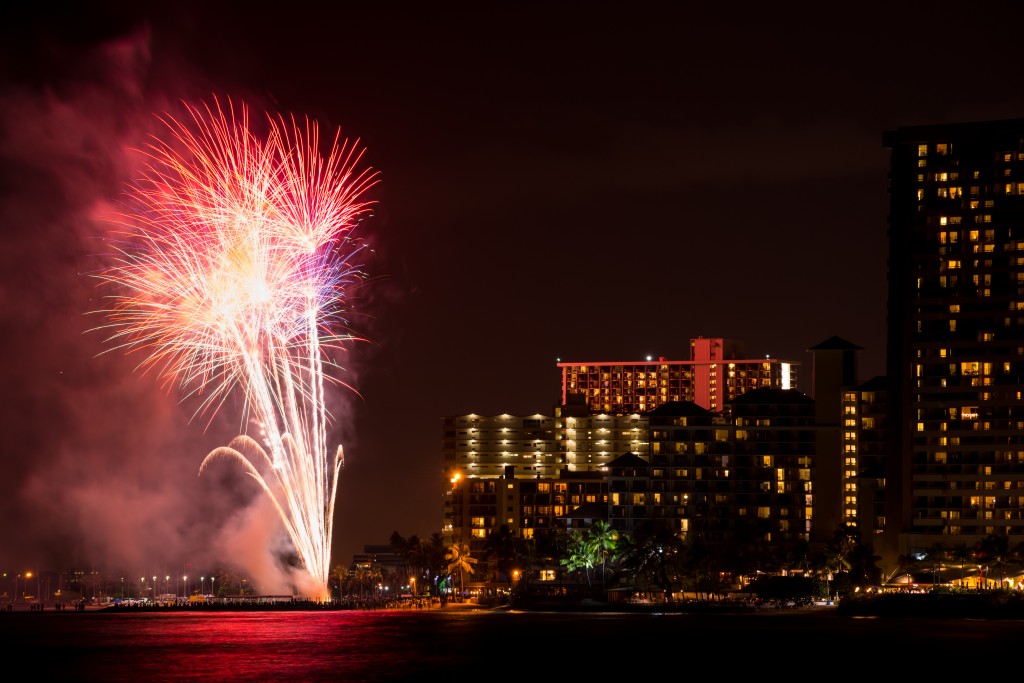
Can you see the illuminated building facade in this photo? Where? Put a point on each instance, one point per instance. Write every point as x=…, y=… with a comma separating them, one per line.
x=955, y=346
x=742, y=474
x=865, y=413
x=771, y=470
x=525, y=471
x=715, y=373
x=837, y=463
x=538, y=445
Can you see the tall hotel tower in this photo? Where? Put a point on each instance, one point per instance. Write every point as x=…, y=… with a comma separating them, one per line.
x=955, y=347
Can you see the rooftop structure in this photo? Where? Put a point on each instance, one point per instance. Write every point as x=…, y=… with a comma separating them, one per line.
x=715, y=373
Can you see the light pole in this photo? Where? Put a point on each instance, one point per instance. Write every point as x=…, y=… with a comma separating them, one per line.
x=154, y=589
x=202, y=584
x=213, y=592
x=185, y=578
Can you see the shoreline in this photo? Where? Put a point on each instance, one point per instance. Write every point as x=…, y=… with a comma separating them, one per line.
x=887, y=605
x=578, y=607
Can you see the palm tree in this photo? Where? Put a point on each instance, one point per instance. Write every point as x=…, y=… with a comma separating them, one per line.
x=906, y=565
x=375, y=575
x=501, y=552
x=415, y=555
x=936, y=555
x=961, y=552
x=579, y=554
x=341, y=573
x=863, y=568
x=459, y=560
x=418, y=558
x=837, y=555
x=627, y=556
x=403, y=548
x=993, y=551
x=360, y=576
x=655, y=557
x=434, y=551
x=698, y=560
x=602, y=539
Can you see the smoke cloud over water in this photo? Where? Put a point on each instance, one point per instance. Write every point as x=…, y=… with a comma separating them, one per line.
x=100, y=462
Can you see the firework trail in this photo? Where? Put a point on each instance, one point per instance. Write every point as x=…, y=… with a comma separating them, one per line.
x=230, y=274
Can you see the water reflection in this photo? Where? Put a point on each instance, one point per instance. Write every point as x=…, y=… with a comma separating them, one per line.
x=402, y=645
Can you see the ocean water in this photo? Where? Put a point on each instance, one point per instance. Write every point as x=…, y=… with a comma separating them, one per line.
x=473, y=646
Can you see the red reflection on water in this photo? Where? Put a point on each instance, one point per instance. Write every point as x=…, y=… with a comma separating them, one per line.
x=230, y=646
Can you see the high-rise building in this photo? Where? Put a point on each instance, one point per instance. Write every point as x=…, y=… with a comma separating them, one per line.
x=527, y=446
x=745, y=474
x=836, y=462
x=525, y=471
x=864, y=410
x=720, y=446
x=715, y=373
x=955, y=345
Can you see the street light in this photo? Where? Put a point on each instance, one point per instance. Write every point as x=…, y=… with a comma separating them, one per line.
x=202, y=584
x=186, y=585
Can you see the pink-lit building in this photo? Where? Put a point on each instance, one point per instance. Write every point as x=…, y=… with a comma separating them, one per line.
x=716, y=372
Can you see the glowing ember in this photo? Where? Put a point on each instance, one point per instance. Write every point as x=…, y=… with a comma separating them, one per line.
x=231, y=271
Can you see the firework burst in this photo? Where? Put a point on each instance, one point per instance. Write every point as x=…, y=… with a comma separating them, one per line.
x=230, y=274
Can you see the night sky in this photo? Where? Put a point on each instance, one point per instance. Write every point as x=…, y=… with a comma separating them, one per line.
x=580, y=184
